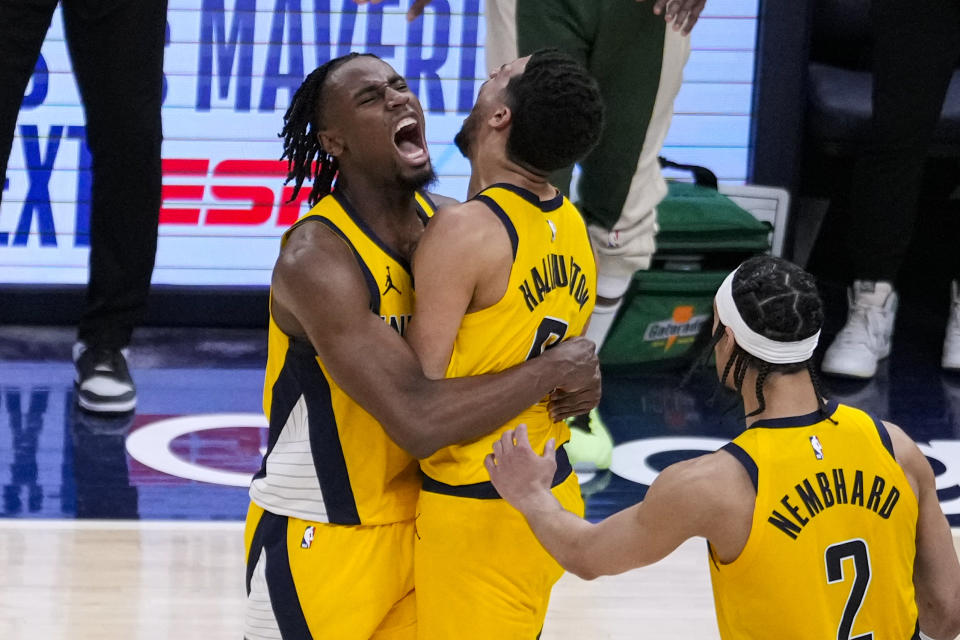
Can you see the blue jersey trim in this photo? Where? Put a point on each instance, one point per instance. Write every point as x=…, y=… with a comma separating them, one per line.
x=372, y=285
x=425, y=215
x=284, y=397
x=884, y=435
x=485, y=490
x=546, y=206
x=357, y=220
x=504, y=218
x=283, y=592
x=328, y=459
x=302, y=376
x=744, y=458
x=806, y=420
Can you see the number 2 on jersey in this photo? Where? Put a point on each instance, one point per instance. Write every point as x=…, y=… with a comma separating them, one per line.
x=833, y=557
x=550, y=332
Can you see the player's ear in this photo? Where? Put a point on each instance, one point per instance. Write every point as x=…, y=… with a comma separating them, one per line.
x=331, y=142
x=728, y=335
x=727, y=342
x=724, y=347
x=501, y=117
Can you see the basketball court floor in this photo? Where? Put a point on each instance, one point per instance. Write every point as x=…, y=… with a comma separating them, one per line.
x=131, y=527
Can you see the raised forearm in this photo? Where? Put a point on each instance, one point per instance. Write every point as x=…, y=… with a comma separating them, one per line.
x=563, y=534
x=438, y=413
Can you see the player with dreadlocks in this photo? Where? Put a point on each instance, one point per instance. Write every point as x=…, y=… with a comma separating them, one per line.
x=330, y=529
x=822, y=521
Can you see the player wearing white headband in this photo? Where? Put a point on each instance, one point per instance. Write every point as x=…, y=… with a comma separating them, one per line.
x=822, y=521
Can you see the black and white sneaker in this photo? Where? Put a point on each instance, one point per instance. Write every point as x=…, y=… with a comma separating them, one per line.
x=103, y=381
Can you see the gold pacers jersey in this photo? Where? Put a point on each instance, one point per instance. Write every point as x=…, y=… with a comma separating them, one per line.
x=832, y=546
x=327, y=459
x=550, y=296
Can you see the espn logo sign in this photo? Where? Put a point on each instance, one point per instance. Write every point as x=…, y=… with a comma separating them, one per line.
x=262, y=195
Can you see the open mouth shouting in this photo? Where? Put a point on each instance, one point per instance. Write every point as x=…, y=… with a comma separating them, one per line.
x=408, y=138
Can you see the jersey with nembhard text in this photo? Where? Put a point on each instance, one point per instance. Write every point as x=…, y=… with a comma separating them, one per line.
x=833, y=539
x=549, y=297
x=328, y=459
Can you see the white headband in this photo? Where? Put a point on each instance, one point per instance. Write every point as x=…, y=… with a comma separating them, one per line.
x=752, y=342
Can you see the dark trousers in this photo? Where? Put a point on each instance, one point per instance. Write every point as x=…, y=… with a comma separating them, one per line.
x=116, y=48
x=915, y=51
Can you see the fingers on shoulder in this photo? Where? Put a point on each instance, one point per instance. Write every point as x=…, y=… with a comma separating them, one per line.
x=441, y=201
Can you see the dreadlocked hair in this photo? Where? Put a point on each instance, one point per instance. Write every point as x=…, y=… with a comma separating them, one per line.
x=557, y=112
x=779, y=301
x=306, y=157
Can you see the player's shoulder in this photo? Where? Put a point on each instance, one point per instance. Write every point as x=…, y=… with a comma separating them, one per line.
x=315, y=260
x=708, y=474
x=470, y=219
x=311, y=242
x=908, y=454
x=707, y=489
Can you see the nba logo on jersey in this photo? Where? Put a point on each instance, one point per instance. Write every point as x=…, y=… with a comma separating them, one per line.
x=307, y=538
x=817, y=447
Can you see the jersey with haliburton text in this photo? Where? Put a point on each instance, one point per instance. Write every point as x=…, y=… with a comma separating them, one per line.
x=833, y=540
x=328, y=459
x=549, y=297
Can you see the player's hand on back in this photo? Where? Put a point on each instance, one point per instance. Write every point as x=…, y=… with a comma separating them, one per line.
x=579, y=389
x=566, y=404
x=520, y=475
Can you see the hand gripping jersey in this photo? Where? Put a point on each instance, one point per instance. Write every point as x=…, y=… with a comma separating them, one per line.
x=550, y=295
x=328, y=460
x=832, y=546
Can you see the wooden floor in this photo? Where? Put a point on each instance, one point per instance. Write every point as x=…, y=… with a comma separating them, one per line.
x=149, y=580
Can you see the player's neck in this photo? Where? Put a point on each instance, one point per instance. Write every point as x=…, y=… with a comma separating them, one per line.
x=785, y=395
x=391, y=212
x=487, y=171
x=378, y=204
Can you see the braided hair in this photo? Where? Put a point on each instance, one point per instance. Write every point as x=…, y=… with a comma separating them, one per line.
x=779, y=301
x=305, y=155
x=557, y=112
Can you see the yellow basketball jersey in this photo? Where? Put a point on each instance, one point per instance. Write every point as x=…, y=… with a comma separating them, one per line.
x=328, y=459
x=832, y=545
x=550, y=296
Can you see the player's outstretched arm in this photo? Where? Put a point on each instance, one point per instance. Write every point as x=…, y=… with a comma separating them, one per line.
x=319, y=293
x=936, y=572
x=677, y=506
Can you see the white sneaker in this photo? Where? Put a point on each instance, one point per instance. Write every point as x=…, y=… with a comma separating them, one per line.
x=951, y=340
x=865, y=338
x=103, y=383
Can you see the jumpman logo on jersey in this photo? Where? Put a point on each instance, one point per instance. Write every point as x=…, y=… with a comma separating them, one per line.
x=390, y=284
